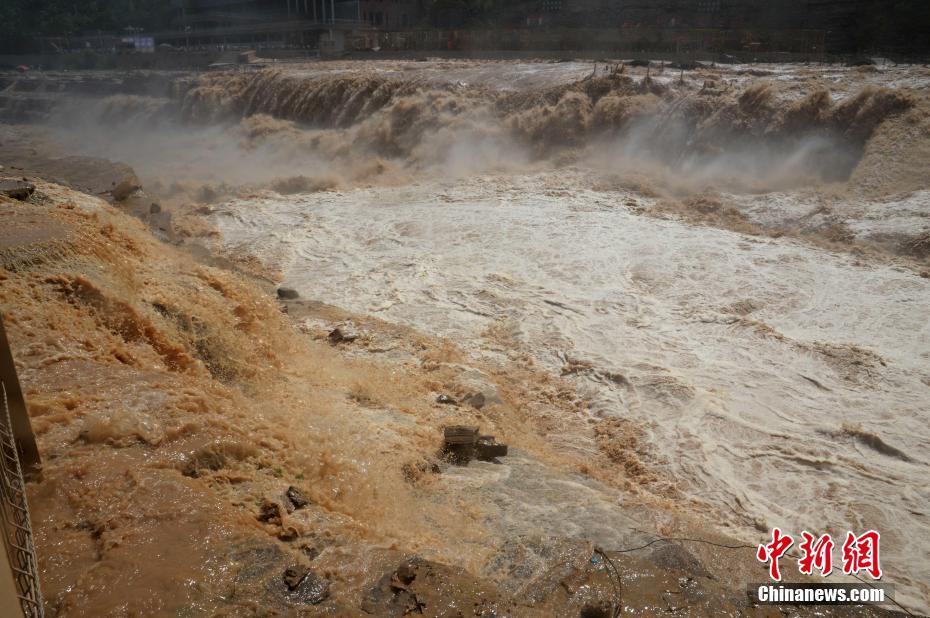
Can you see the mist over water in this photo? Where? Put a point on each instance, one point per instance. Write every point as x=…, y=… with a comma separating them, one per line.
x=767, y=381
x=347, y=128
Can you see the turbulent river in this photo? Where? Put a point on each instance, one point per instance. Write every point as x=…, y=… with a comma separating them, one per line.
x=779, y=384
x=771, y=380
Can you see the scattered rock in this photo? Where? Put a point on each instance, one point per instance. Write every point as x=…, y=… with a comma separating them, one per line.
x=405, y=574
x=294, y=575
x=125, y=188
x=393, y=592
x=311, y=590
x=480, y=388
x=342, y=334
x=310, y=551
x=476, y=400
x=17, y=189
x=445, y=399
x=296, y=497
x=269, y=512
x=420, y=587
x=287, y=294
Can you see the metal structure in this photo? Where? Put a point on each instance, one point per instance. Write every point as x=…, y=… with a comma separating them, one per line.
x=19, y=458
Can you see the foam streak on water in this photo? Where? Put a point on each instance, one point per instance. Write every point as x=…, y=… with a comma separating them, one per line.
x=779, y=384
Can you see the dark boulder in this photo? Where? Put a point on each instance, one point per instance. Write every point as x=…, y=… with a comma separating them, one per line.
x=294, y=575
x=296, y=497
x=269, y=513
x=311, y=590
x=17, y=189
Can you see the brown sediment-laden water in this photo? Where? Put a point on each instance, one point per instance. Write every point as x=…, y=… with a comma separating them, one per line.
x=692, y=302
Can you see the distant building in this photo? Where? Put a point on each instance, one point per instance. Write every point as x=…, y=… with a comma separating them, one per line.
x=300, y=23
x=390, y=14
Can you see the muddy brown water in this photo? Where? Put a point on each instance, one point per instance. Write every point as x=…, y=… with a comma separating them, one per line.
x=744, y=379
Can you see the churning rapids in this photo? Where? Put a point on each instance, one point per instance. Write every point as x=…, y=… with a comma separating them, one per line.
x=726, y=263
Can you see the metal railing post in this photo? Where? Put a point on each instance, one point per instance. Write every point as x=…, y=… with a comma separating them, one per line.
x=20, y=426
x=19, y=458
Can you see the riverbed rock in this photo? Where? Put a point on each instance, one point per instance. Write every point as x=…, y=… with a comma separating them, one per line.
x=125, y=188
x=420, y=587
x=405, y=574
x=479, y=388
x=476, y=400
x=311, y=590
x=296, y=497
x=343, y=334
x=17, y=189
x=293, y=575
x=269, y=512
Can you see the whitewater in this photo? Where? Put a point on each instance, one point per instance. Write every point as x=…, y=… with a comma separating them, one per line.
x=730, y=267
